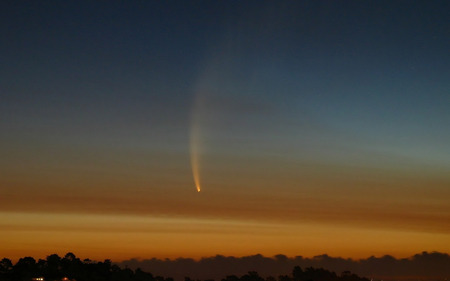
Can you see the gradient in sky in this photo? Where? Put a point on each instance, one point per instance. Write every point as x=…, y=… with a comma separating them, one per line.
x=317, y=126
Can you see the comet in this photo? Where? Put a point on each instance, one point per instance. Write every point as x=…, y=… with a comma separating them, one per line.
x=195, y=140
x=200, y=117
x=195, y=161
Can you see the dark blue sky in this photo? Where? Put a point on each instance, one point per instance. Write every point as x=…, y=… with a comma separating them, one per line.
x=363, y=64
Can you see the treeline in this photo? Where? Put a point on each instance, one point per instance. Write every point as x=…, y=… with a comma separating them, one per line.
x=309, y=274
x=71, y=268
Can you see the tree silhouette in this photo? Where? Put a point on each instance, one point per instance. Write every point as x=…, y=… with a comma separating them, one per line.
x=25, y=268
x=252, y=276
x=71, y=268
x=297, y=273
x=6, y=268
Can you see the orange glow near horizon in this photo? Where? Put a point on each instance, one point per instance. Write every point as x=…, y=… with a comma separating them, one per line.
x=339, y=211
x=124, y=237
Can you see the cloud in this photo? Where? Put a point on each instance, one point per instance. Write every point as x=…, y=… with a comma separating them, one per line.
x=426, y=265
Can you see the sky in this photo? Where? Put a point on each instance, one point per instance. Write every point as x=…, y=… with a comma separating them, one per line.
x=310, y=127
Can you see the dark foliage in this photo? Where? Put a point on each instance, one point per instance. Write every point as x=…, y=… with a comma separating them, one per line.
x=71, y=268
x=309, y=274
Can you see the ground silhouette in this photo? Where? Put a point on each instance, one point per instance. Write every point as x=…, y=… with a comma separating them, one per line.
x=71, y=268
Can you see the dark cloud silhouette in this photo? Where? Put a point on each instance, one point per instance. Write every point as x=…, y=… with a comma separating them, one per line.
x=425, y=266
